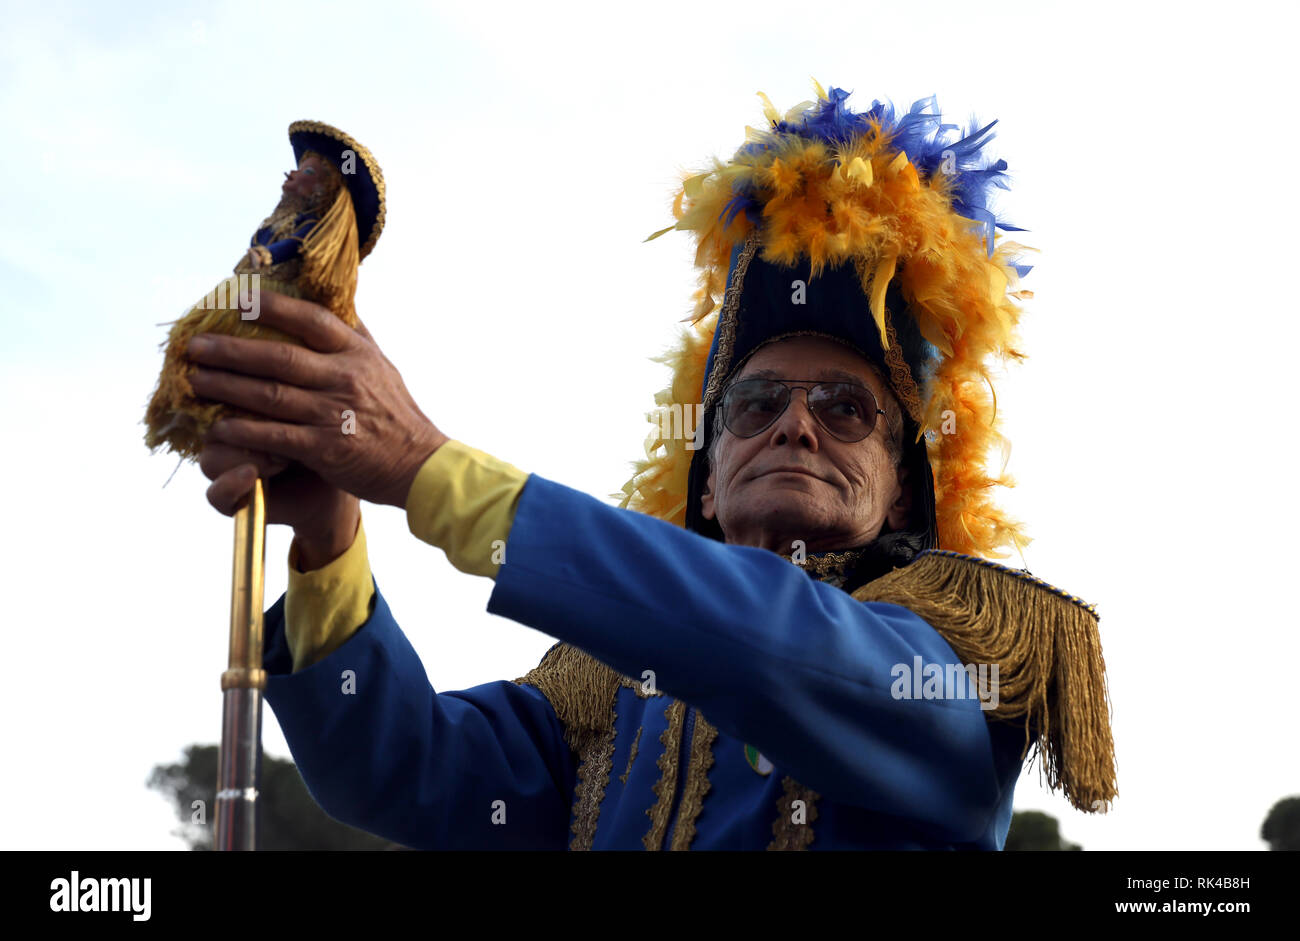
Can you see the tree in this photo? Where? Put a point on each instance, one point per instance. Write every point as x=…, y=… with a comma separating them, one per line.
x=1034, y=831
x=1281, y=829
x=288, y=818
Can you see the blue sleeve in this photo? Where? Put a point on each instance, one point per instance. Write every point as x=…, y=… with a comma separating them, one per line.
x=380, y=750
x=793, y=666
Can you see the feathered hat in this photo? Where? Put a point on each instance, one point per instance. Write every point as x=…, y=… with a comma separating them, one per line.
x=885, y=219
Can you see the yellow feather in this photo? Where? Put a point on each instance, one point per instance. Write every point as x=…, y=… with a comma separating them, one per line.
x=879, y=283
x=694, y=185
x=798, y=109
x=859, y=171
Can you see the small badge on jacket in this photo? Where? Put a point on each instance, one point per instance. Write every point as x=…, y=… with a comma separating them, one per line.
x=757, y=761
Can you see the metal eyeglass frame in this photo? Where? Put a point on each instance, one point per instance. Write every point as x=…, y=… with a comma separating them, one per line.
x=790, y=386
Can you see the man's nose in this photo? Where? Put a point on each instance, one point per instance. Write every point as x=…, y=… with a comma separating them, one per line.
x=797, y=421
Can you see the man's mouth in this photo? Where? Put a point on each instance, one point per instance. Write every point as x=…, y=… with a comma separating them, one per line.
x=789, y=470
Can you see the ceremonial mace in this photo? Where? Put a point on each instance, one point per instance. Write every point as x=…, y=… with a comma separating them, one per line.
x=240, y=763
x=330, y=215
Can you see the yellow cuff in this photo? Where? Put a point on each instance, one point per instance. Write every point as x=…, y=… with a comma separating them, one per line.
x=324, y=607
x=463, y=501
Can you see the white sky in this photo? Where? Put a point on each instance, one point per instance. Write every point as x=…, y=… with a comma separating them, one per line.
x=528, y=149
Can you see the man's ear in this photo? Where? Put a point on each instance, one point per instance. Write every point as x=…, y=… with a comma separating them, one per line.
x=706, y=498
x=901, y=508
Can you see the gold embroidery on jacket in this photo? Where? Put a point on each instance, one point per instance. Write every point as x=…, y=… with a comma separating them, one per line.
x=665, y=789
x=697, y=782
x=584, y=694
x=786, y=834
x=632, y=755
x=638, y=685
x=593, y=778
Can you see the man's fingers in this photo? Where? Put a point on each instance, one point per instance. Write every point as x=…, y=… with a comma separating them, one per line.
x=309, y=322
x=272, y=358
x=264, y=396
x=216, y=459
x=228, y=491
x=292, y=442
x=361, y=329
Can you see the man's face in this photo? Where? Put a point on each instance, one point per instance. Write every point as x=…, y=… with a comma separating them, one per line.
x=845, y=492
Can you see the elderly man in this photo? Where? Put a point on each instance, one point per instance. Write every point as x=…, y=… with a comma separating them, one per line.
x=707, y=693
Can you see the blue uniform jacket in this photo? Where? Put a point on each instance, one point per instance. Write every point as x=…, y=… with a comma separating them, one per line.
x=677, y=652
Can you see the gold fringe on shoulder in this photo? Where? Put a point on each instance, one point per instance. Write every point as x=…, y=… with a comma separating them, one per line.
x=1048, y=652
x=579, y=688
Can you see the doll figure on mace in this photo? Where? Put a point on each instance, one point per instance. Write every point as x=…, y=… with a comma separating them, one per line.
x=330, y=215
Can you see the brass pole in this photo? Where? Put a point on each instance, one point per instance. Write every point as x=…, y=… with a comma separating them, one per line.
x=240, y=764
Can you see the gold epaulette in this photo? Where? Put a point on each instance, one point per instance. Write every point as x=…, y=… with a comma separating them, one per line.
x=579, y=688
x=1047, y=649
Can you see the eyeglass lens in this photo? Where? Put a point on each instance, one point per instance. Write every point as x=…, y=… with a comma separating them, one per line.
x=845, y=410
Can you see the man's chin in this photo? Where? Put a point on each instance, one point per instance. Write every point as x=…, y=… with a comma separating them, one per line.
x=790, y=508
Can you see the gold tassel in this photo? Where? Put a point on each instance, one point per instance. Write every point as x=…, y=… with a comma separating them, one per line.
x=330, y=256
x=1048, y=651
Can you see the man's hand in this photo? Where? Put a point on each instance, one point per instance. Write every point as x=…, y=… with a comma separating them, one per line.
x=324, y=518
x=338, y=407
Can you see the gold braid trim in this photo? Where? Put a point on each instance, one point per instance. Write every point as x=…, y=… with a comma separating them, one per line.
x=636, y=685
x=697, y=782
x=583, y=692
x=900, y=374
x=593, y=778
x=827, y=564
x=727, y=321
x=671, y=739
x=1048, y=651
x=786, y=834
x=631, y=755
